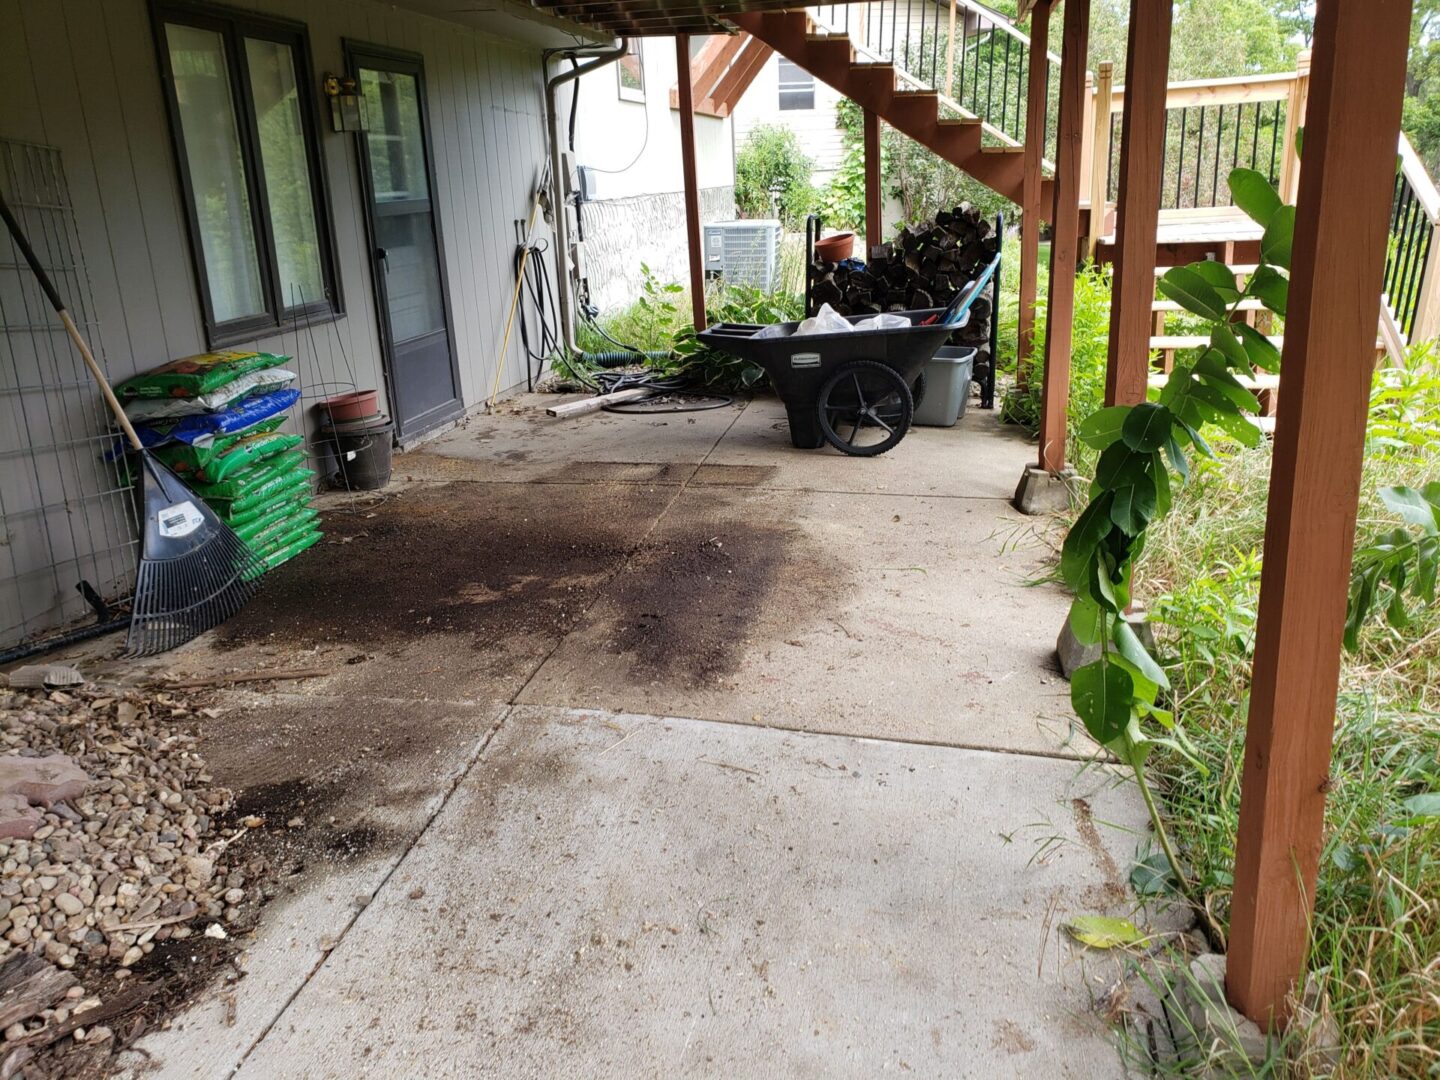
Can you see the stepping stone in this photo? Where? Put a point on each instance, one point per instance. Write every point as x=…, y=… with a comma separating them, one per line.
x=43, y=781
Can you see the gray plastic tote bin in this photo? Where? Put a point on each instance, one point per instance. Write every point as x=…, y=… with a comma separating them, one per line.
x=947, y=387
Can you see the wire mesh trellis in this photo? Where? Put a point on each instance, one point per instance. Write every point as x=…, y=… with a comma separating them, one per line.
x=66, y=514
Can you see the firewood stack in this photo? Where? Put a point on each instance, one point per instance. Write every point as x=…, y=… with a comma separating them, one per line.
x=922, y=268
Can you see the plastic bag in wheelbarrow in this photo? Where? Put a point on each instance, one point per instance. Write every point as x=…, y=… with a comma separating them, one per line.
x=829, y=321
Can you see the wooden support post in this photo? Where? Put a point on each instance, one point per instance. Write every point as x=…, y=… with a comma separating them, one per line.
x=1100, y=153
x=1065, y=242
x=1142, y=163
x=874, y=193
x=1339, y=257
x=1031, y=210
x=1294, y=118
x=692, y=185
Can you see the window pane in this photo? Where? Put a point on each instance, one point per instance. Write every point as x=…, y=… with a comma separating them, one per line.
x=632, y=69
x=287, y=171
x=395, y=141
x=217, y=172
x=797, y=87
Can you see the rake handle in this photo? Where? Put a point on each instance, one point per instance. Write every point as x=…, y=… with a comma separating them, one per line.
x=48, y=288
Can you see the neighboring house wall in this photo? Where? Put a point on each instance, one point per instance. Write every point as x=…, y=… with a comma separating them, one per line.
x=814, y=128
x=638, y=211
x=83, y=76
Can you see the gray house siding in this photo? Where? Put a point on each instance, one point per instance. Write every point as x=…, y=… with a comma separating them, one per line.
x=83, y=76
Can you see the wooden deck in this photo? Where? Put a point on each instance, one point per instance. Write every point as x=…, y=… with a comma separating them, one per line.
x=1184, y=236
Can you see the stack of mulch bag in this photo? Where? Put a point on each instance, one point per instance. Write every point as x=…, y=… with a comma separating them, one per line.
x=215, y=420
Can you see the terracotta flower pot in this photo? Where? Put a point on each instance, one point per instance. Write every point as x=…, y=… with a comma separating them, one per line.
x=355, y=405
x=835, y=248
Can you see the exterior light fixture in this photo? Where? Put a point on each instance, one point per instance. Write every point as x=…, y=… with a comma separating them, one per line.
x=347, y=107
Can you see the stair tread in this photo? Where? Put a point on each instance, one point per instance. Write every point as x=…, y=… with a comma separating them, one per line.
x=1174, y=305
x=1240, y=269
x=1263, y=380
x=958, y=121
x=1002, y=149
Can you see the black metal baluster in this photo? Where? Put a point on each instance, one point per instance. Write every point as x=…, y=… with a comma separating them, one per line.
x=1255, y=138
x=1235, y=151
x=1412, y=252
x=1219, y=141
x=1180, y=157
x=1427, y=237
x=1005, y=85
x=935, y=52
x=990, y=74
x=908, y=9
x=920, y=51
x=1199, y=159
x=894, y=27
x=1397, y=283
x=1391, y=257
x=1274, y=144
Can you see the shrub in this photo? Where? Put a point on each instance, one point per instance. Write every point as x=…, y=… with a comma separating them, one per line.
x=770, y=157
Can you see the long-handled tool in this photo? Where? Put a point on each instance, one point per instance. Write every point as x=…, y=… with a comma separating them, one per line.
x=194, y=572
x=540, y=191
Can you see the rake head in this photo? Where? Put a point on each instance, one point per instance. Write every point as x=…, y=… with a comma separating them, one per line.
x=194, y=571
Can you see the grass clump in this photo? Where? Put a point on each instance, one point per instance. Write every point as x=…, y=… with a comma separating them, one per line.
x=1376, y=936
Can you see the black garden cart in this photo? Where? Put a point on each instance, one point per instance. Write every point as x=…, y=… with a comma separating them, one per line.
x=852, y=389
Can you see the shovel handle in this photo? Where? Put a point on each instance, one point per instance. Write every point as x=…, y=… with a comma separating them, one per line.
x=48, y=288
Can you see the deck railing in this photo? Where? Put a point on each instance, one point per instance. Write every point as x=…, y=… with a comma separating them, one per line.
x=972, y=56
x=1211, y=127
x=1412, y=306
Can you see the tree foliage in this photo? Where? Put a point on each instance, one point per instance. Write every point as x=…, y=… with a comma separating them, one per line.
x=771, y=158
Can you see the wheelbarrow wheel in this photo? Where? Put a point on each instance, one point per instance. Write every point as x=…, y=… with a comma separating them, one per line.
x=917, y=390
x=865, y=408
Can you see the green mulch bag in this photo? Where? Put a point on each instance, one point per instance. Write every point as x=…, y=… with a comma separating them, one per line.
x=272, y=513
x=297, y=484
x=248, y=481
x=294, y=545
x=194, y=376
x=291, y=549
x=300, y=519
x=229, y=454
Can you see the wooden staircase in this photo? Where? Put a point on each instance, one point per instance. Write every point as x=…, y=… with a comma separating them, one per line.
x=832, y=58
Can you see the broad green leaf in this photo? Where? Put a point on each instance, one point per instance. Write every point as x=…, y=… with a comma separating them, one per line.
x=1252, y=192
x=1104, y=584
x=1134, y=505
x=1101, y=694
x=1279, y=235
x=1119, y=465
x=1192, y=292
x=1132, y=649
x=1220, y=277
x=1412, y=506
x=1143, y=691
x=1103, y=932
x=1102, y=428
x=1178, y=461
x=1087, y=621
x=1272, y=290
x=1153, y=876
x=1236, y=394
x=1239, y=428
x=1161, y=476
x=1260, y=349
x=1224, y=341
x=1147, y=427
x=1197, y=440
x=1089, y=529
x=1426, y=805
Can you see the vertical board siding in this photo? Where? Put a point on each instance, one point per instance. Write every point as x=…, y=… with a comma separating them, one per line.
x=83, y=76
x=97, y=96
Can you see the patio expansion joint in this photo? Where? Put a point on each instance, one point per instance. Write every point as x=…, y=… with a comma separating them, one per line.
x=459, y=777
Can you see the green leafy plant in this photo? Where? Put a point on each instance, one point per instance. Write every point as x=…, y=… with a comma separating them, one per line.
x=1120, y=697
x=714, y=368
x=771, y=158
x=1398, y=567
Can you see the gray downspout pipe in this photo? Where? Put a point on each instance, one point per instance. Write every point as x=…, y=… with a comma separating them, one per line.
x=562, y=257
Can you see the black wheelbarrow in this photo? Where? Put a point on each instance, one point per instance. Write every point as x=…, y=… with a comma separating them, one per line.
x=852, y=389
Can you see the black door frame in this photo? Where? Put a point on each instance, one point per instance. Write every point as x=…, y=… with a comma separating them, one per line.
x=358, y=54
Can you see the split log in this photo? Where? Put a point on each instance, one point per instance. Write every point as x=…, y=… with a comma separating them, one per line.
x=29, y=984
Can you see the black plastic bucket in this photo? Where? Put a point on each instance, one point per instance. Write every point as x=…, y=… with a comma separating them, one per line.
x=359, y=453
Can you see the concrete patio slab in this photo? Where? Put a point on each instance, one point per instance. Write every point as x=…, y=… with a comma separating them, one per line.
x=630, y=896
x=978, y=458
x=360, y=810
x=781, y=608
x=520, y=443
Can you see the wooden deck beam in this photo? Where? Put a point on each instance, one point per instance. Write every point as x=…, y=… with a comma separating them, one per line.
x=874, y=193
x=1031, y=205
x=1065, y=244
x=1356, y=86
x=692, y=187
x=1142, y=160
